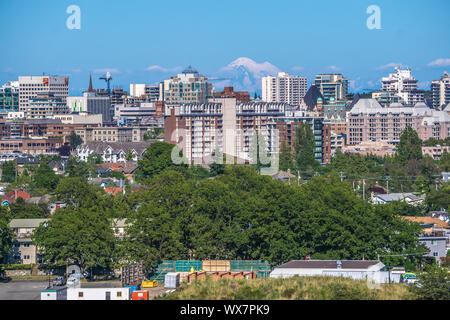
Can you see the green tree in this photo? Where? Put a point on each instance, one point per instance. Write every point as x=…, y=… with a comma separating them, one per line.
x=22, y=210
x=439, y=199
x=130, y=156
x=444, y=162
x=433, y=284
x=79, y=168
x=77, y=192
x=82, y=236
x=304, y=146
x=94, y=158
x=75, y=140
x=410, y=146
x=45, y=178
x=6, y=234
x=286, y=158
x=153, y=133
x=9, y=171
x=157, y=158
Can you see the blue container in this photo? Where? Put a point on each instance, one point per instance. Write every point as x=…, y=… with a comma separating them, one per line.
x=132, y=288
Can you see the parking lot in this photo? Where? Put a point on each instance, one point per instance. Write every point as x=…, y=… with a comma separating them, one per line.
x=31, y=290
x=22, y=290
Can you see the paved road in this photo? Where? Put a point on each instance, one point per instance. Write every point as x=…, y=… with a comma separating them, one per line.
x=31, y=290
x=22, y=290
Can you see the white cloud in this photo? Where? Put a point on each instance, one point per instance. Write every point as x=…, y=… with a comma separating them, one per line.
x=111, y=70
x=162, y=69
x=333, y=68
x=442, y=62
x=391, y=65
x=297, y=68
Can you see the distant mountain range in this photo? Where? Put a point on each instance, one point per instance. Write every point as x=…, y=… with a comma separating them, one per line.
x=245, y=74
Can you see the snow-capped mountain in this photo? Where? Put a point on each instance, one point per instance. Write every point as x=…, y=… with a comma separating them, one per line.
x=245, y=74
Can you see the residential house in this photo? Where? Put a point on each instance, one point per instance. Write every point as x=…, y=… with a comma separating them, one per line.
x=23, y=250
x=13, y=195
x=409, y=198
x=435, y=235
x=113, y=151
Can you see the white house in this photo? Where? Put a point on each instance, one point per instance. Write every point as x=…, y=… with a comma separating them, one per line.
x=112, y=151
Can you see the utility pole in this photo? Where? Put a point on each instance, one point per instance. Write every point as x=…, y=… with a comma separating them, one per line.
x=342, y=176
x=298, y=178
x=387, y=184
x=364, y=189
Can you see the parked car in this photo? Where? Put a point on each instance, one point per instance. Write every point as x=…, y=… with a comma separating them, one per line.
x=59, y=281
x=74, y=279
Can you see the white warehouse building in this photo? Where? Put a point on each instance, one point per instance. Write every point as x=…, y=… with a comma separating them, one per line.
x=355, y=269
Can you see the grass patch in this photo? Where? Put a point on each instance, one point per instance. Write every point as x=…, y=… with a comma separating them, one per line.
x=295, y=288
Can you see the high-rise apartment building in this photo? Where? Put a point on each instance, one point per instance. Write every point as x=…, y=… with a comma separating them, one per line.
x=45, y=105
x=9, y=96
x=187, y=87
x=220, y=125
x=403, y=84
x=440, y=92
x=147, y=92
x=332, y=85
x=284, y=88
x=30, y=86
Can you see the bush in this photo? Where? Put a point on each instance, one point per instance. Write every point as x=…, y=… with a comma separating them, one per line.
x=16, y=267
x=433, y=284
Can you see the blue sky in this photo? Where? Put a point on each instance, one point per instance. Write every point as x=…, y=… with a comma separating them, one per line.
x=300, y=37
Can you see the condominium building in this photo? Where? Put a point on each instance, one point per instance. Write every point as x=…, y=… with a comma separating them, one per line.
x=9, y=96
x=440, y=92
x=385, y=98
x=111, y=134
x=134, y=111
x=368, y=120
x=45, y=105
x=284, y=88
x=148, y=92
x=332, y=85
x=80, y=118
x=187, y=87
x=34, y=145
x=404, y=85
x=30, y=86
x=202, y=130
x=287, y=127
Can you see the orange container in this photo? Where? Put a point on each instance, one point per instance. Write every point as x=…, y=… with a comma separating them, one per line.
x=139, y=295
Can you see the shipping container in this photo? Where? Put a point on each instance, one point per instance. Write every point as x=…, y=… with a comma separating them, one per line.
x=149, y=283
x=216, y=265
x=172, y=280
x=133, y=287
x=139, y=295
x=98, y=294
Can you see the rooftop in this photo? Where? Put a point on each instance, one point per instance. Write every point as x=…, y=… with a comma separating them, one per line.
x=329, y=264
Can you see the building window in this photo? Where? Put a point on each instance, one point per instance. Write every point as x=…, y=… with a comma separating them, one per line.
x=119, y=294
x=80, y=294
x=435, y=254
x=26, y=257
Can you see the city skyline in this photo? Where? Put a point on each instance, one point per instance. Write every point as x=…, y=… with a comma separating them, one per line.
x=138, y=45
